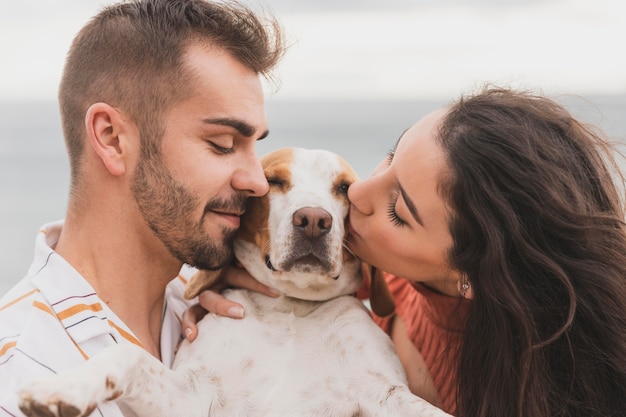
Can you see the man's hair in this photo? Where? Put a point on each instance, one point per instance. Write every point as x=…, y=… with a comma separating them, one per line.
x=130, y=56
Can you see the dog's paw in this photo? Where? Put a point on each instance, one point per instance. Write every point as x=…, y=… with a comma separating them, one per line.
x=63, y=397
x=52, y=407
x=37, y=401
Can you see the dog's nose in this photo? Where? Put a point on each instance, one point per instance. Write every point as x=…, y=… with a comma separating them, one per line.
x=312, y=221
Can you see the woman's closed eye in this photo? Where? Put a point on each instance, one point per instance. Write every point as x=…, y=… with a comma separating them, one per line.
x=392, y=214
x=390, y=155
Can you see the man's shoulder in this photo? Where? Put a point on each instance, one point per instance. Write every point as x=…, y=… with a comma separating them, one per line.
x=51, y=330
x=26, y=348
x=17, y=304
x=26, y=319
x=39, y=337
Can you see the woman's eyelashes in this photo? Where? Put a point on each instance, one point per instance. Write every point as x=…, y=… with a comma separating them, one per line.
x=390, y=155
x=392, y=214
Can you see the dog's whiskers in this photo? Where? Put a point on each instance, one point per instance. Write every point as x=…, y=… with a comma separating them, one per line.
x=347, y=248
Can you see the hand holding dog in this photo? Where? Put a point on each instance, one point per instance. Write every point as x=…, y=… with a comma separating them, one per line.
x=213, y=301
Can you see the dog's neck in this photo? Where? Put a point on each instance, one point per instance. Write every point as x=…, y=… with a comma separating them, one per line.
x=283, y=304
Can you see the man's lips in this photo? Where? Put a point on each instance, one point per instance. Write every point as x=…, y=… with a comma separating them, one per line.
x=231, y=217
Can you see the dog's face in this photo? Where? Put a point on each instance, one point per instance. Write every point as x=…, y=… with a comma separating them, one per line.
x=292, y=238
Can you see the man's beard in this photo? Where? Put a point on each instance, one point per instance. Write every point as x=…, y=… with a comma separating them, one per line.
x=167, y=206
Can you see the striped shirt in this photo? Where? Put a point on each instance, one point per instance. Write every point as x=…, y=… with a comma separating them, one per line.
x=53, y=320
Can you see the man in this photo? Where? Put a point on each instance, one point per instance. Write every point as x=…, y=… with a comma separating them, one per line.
x=161, y=105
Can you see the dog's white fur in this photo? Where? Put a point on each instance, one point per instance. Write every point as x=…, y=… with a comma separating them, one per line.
x=313, y=352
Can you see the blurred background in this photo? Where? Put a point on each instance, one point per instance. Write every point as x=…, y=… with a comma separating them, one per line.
x=358, y=73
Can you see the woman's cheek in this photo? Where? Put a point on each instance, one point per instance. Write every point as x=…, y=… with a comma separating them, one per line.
x=386, y=237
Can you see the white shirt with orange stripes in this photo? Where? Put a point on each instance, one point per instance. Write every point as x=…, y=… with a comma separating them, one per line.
x=53, y=320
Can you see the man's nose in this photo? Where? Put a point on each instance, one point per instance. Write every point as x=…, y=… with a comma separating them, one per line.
x=250, y=177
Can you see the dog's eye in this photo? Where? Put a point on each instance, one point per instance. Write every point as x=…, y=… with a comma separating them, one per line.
x=343, y=188
x=276, y=182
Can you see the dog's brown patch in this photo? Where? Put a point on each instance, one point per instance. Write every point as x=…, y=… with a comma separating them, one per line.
x=200, y=281
x=277, y=169
x=381, y=299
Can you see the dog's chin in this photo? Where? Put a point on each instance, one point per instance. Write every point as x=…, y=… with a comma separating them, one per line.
x=311, y=265
x=318, y=291
x=309, y=279
x=312, y=280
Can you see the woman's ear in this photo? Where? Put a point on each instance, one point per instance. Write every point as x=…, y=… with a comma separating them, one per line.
x=464, y=287
x=105, y=132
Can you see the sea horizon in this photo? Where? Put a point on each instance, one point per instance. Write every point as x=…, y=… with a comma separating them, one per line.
x=34, y=172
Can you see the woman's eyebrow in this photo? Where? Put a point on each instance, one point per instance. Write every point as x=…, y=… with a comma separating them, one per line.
x=400, y=137
x=409, y=203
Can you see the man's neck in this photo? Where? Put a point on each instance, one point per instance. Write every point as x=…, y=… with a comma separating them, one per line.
x=129, y=277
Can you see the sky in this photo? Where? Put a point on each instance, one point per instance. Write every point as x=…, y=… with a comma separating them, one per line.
x=374, y=49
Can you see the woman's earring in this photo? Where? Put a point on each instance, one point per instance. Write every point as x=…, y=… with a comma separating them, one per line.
x=465, y=289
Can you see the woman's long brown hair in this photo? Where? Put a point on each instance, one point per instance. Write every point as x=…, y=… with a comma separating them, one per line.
x=538, y=226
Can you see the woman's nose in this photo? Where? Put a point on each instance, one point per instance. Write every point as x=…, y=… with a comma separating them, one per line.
x=359, y=196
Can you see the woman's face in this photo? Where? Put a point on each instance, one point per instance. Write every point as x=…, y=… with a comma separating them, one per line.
x=398, y=220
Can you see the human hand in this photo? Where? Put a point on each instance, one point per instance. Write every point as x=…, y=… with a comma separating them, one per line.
x=214, y=302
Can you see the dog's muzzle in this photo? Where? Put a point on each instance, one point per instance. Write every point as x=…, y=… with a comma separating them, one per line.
x=312, y=222
x=309, y=248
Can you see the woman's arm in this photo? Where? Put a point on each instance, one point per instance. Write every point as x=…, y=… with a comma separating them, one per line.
x=420, y=382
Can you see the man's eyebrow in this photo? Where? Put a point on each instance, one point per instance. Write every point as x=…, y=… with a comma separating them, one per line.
x=242, y=127
x=409, y=203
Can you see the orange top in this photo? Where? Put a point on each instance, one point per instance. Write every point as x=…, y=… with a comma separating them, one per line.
x=434, y=324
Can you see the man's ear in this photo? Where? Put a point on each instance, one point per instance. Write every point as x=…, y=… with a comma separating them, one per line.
x=106, y=127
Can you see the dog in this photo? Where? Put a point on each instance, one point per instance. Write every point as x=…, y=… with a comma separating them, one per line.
x=314, y=351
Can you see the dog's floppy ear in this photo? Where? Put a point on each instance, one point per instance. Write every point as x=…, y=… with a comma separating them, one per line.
x=381, y=299
x=201, y=280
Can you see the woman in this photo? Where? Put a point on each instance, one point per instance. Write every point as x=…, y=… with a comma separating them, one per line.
x=507, y=227
x=507, y=193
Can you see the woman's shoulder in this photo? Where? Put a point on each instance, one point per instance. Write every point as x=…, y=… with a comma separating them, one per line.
x=417, y=300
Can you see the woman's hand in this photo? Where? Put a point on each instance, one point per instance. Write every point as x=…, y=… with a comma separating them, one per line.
x=212, y=301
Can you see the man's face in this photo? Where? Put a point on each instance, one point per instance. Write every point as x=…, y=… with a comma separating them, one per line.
x=192, y=190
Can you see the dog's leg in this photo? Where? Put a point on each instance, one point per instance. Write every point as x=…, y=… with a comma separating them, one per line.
x=398, y=401
x=124, y=372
